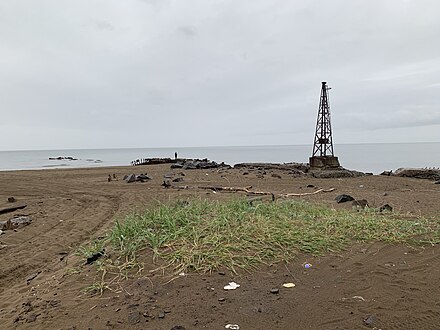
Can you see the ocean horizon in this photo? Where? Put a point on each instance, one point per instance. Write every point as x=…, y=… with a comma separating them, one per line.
x=374, y=157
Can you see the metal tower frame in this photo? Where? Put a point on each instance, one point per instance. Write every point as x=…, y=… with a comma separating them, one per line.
x=323, y=145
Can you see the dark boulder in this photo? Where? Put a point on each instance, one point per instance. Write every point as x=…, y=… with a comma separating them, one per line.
x=343, y=198
x=130, y=178
x=386, y=208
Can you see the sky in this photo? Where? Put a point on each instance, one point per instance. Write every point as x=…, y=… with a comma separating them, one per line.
x=187, y=73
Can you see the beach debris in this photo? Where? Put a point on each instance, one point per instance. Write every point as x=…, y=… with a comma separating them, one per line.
x=15, y=223
x=12, y=208
x=1, y=232
x=109, y=179
x=274, y=290
x=360, y=203
x=310, y=186
x=231, y=286
x=307, y=265
x=437, y=182
x=11, y=200
x=386, y=208
x=289, y=285
x=356, y=298
x=369, y=320
x=90, y=260
x=343, y=198
x=232, y=326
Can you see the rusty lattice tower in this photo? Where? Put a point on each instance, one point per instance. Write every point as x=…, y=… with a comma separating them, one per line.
x=323, y=154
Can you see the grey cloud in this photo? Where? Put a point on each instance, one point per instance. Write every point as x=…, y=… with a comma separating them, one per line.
x=128, y=73
x=187, y=31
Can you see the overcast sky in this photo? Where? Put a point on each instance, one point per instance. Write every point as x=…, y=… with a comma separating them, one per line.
x=164, y=73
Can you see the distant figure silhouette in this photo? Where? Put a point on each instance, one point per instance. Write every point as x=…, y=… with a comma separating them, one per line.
x=175, y=155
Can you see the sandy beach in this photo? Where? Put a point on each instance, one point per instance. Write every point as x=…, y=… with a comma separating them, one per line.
x=374, y=285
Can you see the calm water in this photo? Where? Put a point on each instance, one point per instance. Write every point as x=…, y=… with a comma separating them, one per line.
x=363, y=157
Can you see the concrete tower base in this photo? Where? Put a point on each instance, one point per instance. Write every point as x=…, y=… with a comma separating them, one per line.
x=322, y=162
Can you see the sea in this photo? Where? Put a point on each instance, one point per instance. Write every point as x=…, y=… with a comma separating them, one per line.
x=373, y=158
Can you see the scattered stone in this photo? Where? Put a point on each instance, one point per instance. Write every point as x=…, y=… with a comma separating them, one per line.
x=245, y=173
x=32, y=276
x=161, y=315
x=178, y=327
x=385, y=194
x=142, y=177
x=31, y=318
x=437, y=182
x=386, y=208
x=275, y=290
x=177, y=179
x=15, y=223
x=167, y=310
x=274, y=175
x=166, y=183
x=95, y=257
x=222, y=273
x=11, y=200
x=222, y=299
x=310, y=186
x=109, y=179
x=176, y=166
x=386, y=173
x=343, y=198
x=369, y=320
x=361, y=203
x=134, y=317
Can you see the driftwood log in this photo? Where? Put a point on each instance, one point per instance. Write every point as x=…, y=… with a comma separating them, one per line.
x=12, y=208
x=250, y=193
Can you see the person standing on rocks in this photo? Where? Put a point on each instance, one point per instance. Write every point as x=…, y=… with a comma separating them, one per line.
x=175, y=155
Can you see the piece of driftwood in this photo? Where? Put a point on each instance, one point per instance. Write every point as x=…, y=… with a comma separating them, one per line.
x=12, y=208
x=233, y=189
x=306, y=194
x=251, y=193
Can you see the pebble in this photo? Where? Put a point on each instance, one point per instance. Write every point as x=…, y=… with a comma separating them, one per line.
x=275, y=291
x=221, y=299
x=161, y=315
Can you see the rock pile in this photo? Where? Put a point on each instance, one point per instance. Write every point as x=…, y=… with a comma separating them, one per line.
x=193, y=164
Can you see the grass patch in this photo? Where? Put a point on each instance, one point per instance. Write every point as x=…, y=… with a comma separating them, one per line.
x=205, y=235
